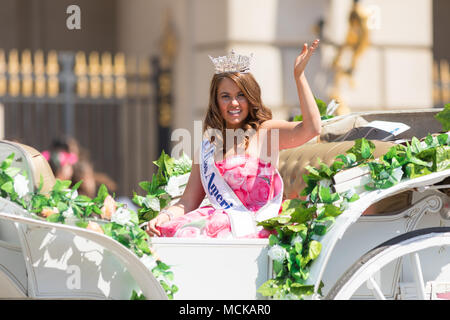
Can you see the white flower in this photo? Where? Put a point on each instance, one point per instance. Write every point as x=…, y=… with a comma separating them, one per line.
x=325, y=183
x=384, y=174
x=349, y=193
x=74, y=195
x=71, y=194
x=326, y=223
x=172, y=187
x=21, y=185
x=122, y=216
x=68, y=214
x=290, y=296
x=152, y=202
x=398, y=173
x=148, y=261
x=296, y=239
x=285, y=296
x=277, y=253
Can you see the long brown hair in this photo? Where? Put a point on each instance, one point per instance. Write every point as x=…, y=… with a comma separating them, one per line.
x=257, y=113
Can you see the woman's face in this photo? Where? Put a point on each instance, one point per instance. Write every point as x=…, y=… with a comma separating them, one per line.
x=232, y=103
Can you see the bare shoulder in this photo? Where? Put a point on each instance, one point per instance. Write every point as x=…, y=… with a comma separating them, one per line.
x=277, y=124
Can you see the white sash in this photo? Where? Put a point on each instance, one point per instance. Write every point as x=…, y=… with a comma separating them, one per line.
x=221, y=196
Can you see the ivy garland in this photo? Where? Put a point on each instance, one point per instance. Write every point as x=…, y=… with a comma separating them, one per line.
x=294, y=245
x=64, y=205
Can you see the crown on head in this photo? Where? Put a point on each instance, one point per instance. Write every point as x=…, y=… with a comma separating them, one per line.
x=232, y=63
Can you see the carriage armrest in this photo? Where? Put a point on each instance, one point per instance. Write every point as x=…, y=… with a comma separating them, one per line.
x=31, y=161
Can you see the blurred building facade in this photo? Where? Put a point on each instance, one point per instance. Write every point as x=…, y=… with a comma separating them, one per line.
x=388, y=55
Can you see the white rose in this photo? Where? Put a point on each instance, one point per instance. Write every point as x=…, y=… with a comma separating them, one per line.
x=277, y=253
x=152, y=202
x=325, y=183
x=296, y=239
x=148, y=261
x=21, y=185
x=327, y=223
x=74, y=195
x=68, y=214
x=172, y=187
x=290, y=296
x=121, y=216
x=398, y=173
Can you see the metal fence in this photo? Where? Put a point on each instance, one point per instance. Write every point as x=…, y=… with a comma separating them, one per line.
x=441, y=83
x=109, y=104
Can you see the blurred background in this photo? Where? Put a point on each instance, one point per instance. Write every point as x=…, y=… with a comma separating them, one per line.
x=106, y=82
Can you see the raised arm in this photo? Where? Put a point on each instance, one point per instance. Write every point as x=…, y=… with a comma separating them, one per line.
x=293, y=134
x=190, y=200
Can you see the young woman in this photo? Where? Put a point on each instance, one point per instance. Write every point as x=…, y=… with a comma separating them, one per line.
x=237, y=162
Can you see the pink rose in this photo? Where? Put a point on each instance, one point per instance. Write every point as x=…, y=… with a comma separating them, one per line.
x=188, y=232
x=277, y=185
x=242, y=195
x=169, y=228
x=250, y=168
x=266, y=171
x=220, y=167
x=234, y=178
x=259, y=190
x=225, y=233
x=217, y=223
x=233, y=162
x=264, y=233
x=198, y=214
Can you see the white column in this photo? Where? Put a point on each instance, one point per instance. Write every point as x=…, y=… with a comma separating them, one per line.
x=395, y=72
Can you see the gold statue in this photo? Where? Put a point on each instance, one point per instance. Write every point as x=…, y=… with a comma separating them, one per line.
x=168, y=48
x=357, y=41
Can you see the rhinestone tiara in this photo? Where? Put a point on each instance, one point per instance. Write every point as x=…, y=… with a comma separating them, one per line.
x=232, y=63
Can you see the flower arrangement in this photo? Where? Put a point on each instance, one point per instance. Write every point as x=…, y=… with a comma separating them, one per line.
x=161, y=189
x=101, y=214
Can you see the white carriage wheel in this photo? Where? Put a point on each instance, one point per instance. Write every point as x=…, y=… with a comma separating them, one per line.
x=410, y=243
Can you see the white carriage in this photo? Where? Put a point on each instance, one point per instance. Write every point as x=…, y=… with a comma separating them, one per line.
x=398, y=249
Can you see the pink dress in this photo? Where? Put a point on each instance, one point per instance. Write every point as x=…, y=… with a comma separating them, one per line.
x=254, y=182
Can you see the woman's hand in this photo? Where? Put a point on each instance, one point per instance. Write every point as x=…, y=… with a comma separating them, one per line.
x=153, y=224
x=303, y=58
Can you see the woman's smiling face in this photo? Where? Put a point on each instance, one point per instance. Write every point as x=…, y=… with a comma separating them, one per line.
x=232, y=103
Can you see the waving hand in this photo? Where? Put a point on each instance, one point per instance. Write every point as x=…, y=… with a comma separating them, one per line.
x=303, y=58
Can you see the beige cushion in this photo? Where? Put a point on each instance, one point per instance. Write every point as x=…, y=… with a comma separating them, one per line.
x=293, y=161
x=334, y=129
